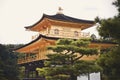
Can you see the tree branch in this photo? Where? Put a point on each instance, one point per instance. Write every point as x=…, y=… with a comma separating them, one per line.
x=78, y=57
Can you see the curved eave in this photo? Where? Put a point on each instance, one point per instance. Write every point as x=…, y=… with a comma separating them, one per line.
x=62, y=17
x=28, y=27
x=59, y=18
x=40, y=41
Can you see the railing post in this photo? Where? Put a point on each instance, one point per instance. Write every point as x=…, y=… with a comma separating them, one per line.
x=26, y=73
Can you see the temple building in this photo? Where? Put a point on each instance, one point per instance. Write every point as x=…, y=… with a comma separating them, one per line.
x=51, y=28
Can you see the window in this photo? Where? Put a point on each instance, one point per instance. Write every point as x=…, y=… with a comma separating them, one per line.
x=56, y=31
x=75, y=33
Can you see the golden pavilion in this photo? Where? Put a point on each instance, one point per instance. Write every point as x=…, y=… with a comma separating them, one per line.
x=51, y=28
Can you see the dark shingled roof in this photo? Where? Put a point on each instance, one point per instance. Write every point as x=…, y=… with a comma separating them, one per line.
x=62, y=17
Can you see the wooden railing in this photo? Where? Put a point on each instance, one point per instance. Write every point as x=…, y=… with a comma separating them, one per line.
x=68, y=34
x=27, y=59
x=32, y=58
x=65, y=34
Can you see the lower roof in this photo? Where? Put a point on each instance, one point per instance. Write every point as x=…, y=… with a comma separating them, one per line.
x=46, y=38
x=35, y=40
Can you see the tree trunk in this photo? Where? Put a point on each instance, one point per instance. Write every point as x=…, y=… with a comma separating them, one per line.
x=88, y=76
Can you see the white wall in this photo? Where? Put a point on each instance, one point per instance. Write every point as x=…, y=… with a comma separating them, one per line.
x=93, y=76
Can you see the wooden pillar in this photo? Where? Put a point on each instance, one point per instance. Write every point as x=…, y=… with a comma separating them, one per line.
x=26, y=72
x=36, y=72
x=25, y=58
x=39, y=53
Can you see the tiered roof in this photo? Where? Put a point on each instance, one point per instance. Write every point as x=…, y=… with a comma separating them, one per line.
x=47, y=21
x=61, y=19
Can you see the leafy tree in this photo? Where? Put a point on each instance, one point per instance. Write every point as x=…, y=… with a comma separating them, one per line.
x=64, y=62
x=8, y=64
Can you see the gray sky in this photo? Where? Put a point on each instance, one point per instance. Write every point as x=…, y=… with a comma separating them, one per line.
x=16, y=14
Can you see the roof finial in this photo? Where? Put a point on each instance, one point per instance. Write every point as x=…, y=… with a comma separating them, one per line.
x=60, y=10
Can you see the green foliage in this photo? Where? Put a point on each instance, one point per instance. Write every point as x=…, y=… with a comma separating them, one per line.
x=84, y=67
x=110, y=28
x=109, y=60
x=74, y=46
x=8, y=64
x=64, y=63
x=21, y=72
x=110, y=63
x=64, y=41
x=117, y=4
x=97, y=19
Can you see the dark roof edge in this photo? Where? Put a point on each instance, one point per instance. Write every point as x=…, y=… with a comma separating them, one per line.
x=67, y=18
x=39, y=37
x=36, y=22
x=55, y=17
x=55, y=38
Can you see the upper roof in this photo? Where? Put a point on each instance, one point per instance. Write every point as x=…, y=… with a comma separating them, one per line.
x=62, y=17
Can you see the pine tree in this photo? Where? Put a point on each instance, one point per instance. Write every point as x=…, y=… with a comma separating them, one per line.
x=110, y=27
x=64, y=62
x=8, y=64
x=109, y=61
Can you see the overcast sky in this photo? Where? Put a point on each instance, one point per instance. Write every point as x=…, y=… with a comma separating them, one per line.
x=16, y=14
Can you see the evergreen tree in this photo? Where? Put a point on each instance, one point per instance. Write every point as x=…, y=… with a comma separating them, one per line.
x=64, y=62
x=117, y=4
x=109, y=61
x=110, y=27
x=8, y=64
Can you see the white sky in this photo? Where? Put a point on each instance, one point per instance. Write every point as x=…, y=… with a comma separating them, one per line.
x=16, y=14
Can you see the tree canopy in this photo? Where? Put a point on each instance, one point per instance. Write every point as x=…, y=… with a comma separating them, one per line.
x=117, y=4
x=64, y=62
x=109, y=60
x=110, y=27
x=8, y=64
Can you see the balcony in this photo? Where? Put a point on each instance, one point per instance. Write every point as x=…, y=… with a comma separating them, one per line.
x=32, y=58
x=27, y=59
x=64, y=34
x=68, y=34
